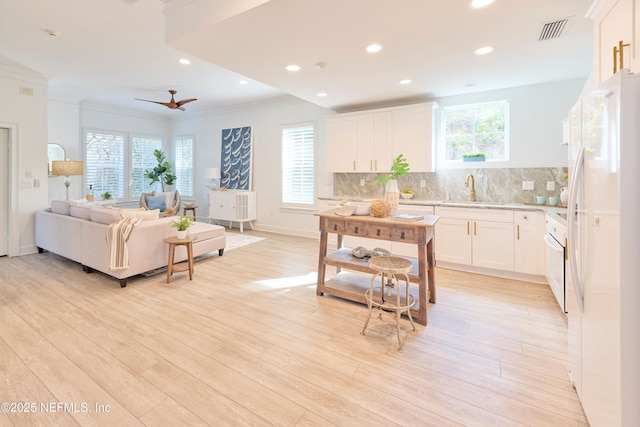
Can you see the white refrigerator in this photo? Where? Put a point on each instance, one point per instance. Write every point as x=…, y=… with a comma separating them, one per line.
x=603, y=279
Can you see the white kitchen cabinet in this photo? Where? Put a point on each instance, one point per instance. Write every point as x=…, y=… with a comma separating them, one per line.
x=413, y=135
x=233, y=206
x=368, y=141
x=528, y=243
x=475, y=237
x=614, y=22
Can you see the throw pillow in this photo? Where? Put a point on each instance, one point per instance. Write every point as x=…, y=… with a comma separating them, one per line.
x=170, y=197
x=105, y=215
x=157, y=202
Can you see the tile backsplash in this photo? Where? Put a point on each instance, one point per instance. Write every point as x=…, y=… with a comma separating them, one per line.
x=492, y=185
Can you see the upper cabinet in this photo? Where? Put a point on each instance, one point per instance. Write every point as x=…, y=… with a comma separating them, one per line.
x=368, y=141
x=613, y=37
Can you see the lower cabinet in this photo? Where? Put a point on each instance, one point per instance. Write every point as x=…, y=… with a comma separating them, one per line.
x=478, y=237
x=528, y=242
x=233, y=206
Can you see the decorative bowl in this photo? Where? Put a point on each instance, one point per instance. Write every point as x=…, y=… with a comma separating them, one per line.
x=406, y=195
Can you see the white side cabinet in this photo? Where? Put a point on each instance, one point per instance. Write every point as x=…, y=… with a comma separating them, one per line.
x=233, y=206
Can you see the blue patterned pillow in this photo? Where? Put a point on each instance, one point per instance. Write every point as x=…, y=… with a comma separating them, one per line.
x=157, y=202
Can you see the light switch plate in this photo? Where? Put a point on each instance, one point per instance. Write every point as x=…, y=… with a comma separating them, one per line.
x=527, y=185
x=551, y=185
x=423, y=183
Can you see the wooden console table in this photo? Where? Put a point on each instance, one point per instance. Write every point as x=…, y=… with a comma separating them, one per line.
x=352, y=287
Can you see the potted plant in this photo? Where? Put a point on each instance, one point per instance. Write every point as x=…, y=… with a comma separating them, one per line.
x=474, y=157
x=161, y=172
x=181, y=225
x=106, y=196
x=399, y=167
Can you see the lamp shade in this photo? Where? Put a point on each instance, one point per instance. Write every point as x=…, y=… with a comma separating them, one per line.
x=213, y=173
x=67, y=167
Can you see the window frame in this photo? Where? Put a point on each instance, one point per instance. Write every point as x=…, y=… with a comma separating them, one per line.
x=192, y=137
x=314, y=146
x=127, y=160
x=443, y=142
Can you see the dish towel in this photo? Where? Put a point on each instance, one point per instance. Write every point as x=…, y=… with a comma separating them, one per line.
x=117, y=236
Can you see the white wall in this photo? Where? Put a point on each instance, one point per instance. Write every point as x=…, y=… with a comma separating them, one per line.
x=535, y=131
x=24, y=111
x=64, y=129
x=266, y=120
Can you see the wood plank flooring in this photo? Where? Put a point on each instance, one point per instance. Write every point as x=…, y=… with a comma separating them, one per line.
x=248, y=342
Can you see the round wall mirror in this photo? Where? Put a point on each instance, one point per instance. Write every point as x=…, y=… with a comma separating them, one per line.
x=55, y=152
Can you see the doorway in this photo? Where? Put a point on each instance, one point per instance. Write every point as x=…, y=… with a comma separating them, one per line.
x=4, y=191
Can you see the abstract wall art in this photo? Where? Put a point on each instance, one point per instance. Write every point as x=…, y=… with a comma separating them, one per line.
x=235, y=167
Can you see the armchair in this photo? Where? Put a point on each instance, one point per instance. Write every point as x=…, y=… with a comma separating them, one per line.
x=168, y=203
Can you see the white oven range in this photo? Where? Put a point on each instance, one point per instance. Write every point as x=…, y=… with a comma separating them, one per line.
x=556, y=243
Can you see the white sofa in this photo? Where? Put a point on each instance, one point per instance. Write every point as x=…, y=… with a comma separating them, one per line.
x=78, y=232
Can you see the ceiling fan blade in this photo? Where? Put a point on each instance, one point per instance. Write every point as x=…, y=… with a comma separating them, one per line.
x=184, y=101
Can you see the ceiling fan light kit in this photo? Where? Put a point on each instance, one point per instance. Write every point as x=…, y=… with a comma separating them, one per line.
x=173, y=105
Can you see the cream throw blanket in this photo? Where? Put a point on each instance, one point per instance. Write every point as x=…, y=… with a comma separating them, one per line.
x=117, y=236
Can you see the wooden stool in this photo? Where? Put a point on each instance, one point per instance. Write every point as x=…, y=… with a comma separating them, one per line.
x=183, y=266
x=392, y=268
x=187, y=209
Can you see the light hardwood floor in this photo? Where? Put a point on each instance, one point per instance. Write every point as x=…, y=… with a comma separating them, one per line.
x=248, y=342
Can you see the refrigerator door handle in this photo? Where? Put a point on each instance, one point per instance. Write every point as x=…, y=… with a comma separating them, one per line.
x=576, y=177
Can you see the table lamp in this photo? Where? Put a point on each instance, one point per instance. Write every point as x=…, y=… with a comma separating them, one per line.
x=67, y=168
x=213, y=175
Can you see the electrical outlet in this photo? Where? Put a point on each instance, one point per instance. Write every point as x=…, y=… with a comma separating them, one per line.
x=527, y=185
x=362, y=183
x=551, y=185
x=423, y=183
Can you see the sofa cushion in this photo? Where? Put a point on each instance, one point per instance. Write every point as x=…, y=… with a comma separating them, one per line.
x=204, y=231
x=143, y=214
x=61, y=207
x=157, y=202
x=81, y=211
x=105, y=215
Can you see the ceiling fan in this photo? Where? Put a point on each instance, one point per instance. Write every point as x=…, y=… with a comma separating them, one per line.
x=171, y=104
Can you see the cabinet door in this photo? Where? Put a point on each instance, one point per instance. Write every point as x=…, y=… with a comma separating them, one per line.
x=615, y=23
x=383, y=147
x=493, y=245
x=221, y=205
x=528, y=244
x=342, y=134
x=364, y=142
x=453, y=240
x=413, y=136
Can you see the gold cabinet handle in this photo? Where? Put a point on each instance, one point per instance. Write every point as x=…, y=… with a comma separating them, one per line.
x=518, y=231
x=354, y=165
x=467, y=228
x=376, y=165
x=618, y=50
x=474, y=228
x=370, y=165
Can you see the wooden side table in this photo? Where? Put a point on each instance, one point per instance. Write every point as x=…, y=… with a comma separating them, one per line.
x=183, y=266
x=187, y=209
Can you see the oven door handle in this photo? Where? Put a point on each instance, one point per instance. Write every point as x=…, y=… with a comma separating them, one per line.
x=553, y=245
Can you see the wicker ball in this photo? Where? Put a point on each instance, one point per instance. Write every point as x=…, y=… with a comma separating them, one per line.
x=378, y=208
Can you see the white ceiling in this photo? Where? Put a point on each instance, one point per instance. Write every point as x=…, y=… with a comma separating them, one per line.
x=112, y=51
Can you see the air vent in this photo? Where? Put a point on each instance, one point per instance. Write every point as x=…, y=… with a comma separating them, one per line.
x=552, y=30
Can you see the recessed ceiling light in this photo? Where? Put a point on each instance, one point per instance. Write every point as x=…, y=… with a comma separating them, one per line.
x=373, y=48
x=242, y=82
x=480, y=3
x=184, y=61
x=322, y=94
x=483, y=50
x=292, y=67
x=405, y=81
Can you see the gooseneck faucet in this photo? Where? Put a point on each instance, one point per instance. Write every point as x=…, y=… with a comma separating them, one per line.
x=473, y=186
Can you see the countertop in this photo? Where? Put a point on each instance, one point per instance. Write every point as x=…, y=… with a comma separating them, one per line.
x=461, y=204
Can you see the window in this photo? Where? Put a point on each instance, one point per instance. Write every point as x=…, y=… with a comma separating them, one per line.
x=297, y=164
x=476, y=128
x=115, y=163
x=184, y=166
